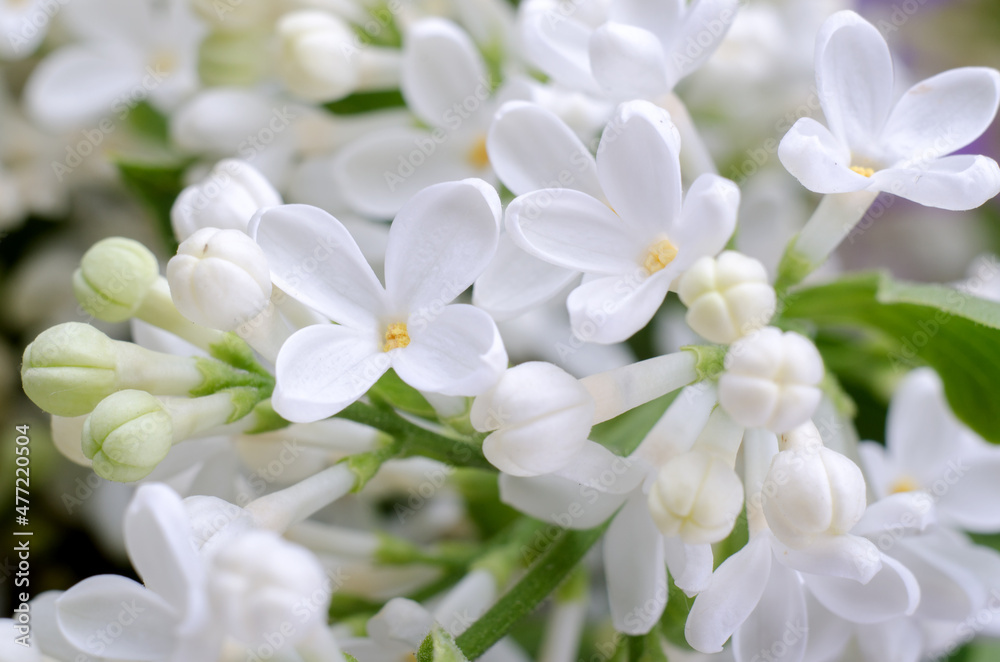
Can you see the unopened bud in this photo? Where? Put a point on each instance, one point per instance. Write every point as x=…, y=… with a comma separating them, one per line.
x=227, y=199
x=727, y=297
x=540, y=416
x=219, y=279
x=114, y=277
x=771, y=380
x=127, y=435
x=811, y=491
x=696, y=496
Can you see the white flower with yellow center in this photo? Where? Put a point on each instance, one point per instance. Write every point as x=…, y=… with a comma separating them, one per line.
x=878, y=143
x=631, y=247
x=438, y=245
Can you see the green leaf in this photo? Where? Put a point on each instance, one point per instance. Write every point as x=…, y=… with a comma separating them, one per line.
x=955, y=333
x=393, y=390
x=675, y=617
x=544, y=576
x=624, y=433
x=363, y=102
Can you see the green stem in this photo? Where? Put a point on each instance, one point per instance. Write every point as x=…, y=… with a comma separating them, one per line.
x=544, y=576
x=416, y=440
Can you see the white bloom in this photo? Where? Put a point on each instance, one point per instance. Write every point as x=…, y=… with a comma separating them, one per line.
x=877, y=143
x=320, y=62
x=439, y=243
x=219, y=279
x=697, y=496
x=817, y=492
x=259, y=580
x=771, y=380
x=625, y=48
x=227, y=198
x=727, y=297
x=539, y=418
x=927, y=449
x=631, y=247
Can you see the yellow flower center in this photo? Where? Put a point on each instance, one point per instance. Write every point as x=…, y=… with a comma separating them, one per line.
x=904, y=484
x=396, y=336
x=164, y=61
x=861, y=170
x=478, y=156
x=659, y=255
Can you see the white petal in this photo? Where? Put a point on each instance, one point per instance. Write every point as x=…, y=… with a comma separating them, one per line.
x=597, y=467
x=690, y=565
x=48, y=638
x=891, y=593
x=573, y=230
x=899, y=640
x=380, y=171
x=559, y=501
x=516, y=281
x=530, y=148
x=957, y=183
x=918, y=424
x=777, y=628
x=457, y=352
x=969, y=492
x=109, y=604
x=854, y=77
x=951, y=592
x=635, y=568
x=707, y=219
x=662, y=17
x=314, y=259
x=828, y=635
x=909, y=512
x=875, y=461
x=846, y=556
x=612, y=309
x=158, y=539
x=820, y=161
x=77, y=85
x=943, y=114
x=323, y=368
x=439, y=243
x=680, y=425
x=559, y=45
x=705, y=24
x=733, y=593
x=441, y=68
x=639, y=168
x=628, y=61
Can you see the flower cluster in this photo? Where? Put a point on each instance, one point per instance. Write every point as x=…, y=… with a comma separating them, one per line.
x=457, y=291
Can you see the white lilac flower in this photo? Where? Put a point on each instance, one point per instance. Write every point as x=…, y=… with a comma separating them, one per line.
x=631, y=246
x=927, y=449
x=771, y=380
x=127, y=52
x=625, y=49
x=438, y=244
x=227, y=198
x=447, y=85
x=758, y=596
x=727, y=297
x=876, y=142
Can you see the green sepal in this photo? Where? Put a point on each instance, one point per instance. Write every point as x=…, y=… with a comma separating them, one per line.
x=710, y=360
x=366, y=465
x=266, y=419
x=244, y=400
x=439, y=646
x=219, y=376
x=236, y=352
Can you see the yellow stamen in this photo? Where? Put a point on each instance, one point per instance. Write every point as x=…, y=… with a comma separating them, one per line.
x=164, y=61
x=660, y=255
x=904, y=484
x=478, y=156
x=861, y=170
x=396, y=336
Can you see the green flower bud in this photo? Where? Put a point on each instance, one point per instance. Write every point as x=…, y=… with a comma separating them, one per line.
x=232, y=58
x=114, y=277
x=127, y=435
x=69, y=368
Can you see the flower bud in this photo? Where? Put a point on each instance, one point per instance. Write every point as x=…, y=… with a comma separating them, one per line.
x=71, y=367
x=127, y=435
x=232, y=58
x=261, y=584
x=770, y=380
x=114, y=277
x=696, y=496
x=541, y=417
x=318, y=59
x=727, y=297
x=811, y=491
x=227, y=199
x=219, y=279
